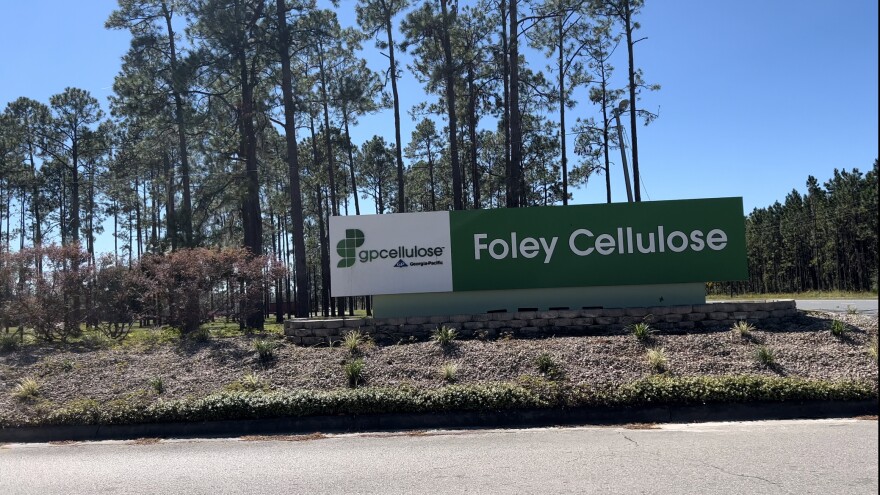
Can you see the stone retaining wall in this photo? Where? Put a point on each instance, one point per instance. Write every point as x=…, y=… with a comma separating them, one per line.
x=670, y=319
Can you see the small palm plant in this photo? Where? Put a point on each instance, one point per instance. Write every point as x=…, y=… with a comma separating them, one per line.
x=445, y=335
x=642, y=331
x=742, y=329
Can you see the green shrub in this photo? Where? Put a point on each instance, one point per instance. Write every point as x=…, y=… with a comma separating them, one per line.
x=26, y=389
x=156, y=384
x=449, y=372
x=838, y=328
x=352, y=341
x=265, y=350
x=742, y=329
x=642, y=331
x=354, y=370
x=764, y=355
x=657, y=360
x=666, y=389
x=445, y=335
x=655, y=390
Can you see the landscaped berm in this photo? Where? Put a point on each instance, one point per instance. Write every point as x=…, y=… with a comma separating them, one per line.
x=155, y=375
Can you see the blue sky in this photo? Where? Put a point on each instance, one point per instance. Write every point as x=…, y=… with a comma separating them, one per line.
x=755, y=95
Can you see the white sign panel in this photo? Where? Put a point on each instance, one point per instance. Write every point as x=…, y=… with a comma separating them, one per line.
x=390, y=254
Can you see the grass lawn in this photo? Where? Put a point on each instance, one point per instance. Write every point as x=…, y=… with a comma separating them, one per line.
x=835, y=294
x=149, y=335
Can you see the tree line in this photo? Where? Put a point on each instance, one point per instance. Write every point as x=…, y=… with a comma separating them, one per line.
x=230, y=125
x=823, y=240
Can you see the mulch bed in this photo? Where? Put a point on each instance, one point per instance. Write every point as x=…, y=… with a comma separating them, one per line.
x=806, y=349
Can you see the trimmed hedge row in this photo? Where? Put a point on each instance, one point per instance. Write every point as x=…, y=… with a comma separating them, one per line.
x=529, y=394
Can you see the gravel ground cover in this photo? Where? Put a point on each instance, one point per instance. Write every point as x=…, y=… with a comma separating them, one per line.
x=65, y=374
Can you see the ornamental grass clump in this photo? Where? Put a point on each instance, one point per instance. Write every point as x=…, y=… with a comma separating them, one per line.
x=547, y=365
x=642, y=331
x=742, y=329
x=445, y=335
x=253, y=383
x=838, y=328
x=265, y=350
x=250, y=382
x=352, y=341
x=764, y=355
x=657, y=360
x=156, y=384
x=872, y=349
x=449, y=372
x=354, y=371
x=27, y=389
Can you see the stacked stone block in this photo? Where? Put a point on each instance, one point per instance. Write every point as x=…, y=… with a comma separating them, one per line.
x=670, y=319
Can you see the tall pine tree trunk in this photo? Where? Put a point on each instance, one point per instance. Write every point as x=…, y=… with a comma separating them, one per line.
x=296, y=207
x=562, y=111
x=505, y=72
x=170, y=215
x=515, y=177
x=251, y=217
x=472, y=131
x=177, y=92
x=325, y=103
x=73, y=322
x=401, y=202
x=449, y=77
x=634, y=137
x=354, y=190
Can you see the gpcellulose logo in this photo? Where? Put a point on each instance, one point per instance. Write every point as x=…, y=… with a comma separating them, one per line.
x=347, y=248
x=354, y=238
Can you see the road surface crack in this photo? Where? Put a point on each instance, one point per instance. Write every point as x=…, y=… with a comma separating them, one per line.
x=628, y=438
x=740, y=475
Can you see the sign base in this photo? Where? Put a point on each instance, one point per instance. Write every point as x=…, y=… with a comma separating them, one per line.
x=562, y=298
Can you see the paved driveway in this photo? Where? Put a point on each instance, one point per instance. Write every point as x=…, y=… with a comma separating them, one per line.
x=868, y=306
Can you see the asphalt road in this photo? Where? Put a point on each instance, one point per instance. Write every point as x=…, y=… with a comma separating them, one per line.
x=868, y=306
x=823, y=457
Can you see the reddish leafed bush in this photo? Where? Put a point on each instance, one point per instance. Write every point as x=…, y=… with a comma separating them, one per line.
x=52, y=290
x=117, y=297
x=180, y=284
x=47, y=286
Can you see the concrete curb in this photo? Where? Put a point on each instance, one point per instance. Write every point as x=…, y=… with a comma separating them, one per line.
x=453, y=420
